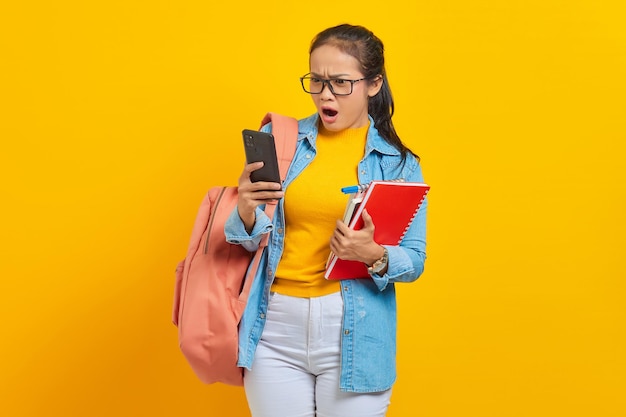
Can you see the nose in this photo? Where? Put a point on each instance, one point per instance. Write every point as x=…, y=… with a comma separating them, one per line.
x=326, y=92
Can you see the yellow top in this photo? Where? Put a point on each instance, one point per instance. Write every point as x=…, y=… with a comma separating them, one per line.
x=313, y=203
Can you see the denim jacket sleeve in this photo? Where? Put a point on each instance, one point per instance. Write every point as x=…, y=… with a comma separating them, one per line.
x=236, y=233
x=235, y=230
x=406, y=260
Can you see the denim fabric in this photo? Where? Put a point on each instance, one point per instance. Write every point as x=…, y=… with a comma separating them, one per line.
x=368, y=345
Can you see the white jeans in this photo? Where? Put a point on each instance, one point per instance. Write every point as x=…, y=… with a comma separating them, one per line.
x=296, y=367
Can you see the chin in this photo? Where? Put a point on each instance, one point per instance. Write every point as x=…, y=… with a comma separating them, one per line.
x=332, y=127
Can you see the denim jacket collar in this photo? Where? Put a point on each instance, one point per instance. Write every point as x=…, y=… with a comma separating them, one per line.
x=308, y=129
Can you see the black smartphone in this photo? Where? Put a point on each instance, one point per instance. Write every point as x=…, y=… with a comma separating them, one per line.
x=259, y=146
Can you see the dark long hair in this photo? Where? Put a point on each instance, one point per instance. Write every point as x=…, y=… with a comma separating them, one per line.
x=368, y=49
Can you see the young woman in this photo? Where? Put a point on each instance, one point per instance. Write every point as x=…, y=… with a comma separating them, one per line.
x=309, y=346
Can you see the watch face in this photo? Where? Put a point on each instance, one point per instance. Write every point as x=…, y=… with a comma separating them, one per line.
x=380, y=264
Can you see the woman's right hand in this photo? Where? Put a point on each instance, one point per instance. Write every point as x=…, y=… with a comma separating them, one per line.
x=252, y=194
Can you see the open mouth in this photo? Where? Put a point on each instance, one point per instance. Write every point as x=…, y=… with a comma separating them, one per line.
x=329, y=112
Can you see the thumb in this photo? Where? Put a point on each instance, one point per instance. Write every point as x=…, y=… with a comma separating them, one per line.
x=367, y=220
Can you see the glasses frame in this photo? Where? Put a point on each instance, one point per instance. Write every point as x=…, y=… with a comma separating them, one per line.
x=326, y=82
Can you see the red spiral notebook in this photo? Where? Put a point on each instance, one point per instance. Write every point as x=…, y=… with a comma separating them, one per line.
x=392, y=205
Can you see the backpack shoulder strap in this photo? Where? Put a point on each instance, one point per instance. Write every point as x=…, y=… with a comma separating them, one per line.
x=285, y=131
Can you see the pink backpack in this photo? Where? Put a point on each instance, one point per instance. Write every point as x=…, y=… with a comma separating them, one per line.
x=213, y=281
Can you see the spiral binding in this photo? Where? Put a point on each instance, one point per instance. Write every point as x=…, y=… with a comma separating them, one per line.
x=406, y=229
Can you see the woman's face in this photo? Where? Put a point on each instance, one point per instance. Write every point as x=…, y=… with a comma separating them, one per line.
x=341, y=112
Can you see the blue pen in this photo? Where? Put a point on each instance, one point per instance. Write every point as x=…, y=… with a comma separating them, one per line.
x=362, y=187
x=354, y=188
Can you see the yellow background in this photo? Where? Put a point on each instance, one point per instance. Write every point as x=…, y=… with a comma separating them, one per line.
x=117, y=116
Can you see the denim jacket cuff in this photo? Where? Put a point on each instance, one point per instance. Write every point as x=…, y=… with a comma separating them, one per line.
x=236, y=233
x=399, y=263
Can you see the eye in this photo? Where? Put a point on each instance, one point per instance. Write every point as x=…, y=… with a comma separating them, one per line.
x=339, y=81
x=314, y=80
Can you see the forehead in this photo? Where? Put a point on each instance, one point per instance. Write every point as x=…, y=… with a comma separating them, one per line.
x=328, y=60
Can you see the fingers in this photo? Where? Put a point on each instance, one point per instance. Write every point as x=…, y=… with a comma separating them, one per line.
x=244, y=179
x=351, y=244
x=249, y=168
x=253, y=194
x=368, y=223
x=367, y=219
x=341, y=228
x=264, y=196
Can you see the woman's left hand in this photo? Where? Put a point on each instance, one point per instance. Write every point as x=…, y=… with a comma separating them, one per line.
x=356, y=245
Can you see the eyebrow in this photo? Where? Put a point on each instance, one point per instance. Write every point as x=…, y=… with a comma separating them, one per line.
x=331, y=77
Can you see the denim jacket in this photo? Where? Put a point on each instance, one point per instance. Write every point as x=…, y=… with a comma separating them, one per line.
x=368, y=348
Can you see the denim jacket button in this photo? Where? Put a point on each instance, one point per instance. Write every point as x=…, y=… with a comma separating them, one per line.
x=346, y=332
x=262, y=315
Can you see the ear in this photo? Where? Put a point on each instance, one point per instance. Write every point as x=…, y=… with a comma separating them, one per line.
x=374, y=86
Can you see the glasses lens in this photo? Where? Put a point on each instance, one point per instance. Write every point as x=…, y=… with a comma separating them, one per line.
x=341, y=87
x=312, y=85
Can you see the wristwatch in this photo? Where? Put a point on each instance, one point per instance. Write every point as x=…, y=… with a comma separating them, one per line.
x=380, y=264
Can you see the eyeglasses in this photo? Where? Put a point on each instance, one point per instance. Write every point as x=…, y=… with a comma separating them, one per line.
x=337, y=86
